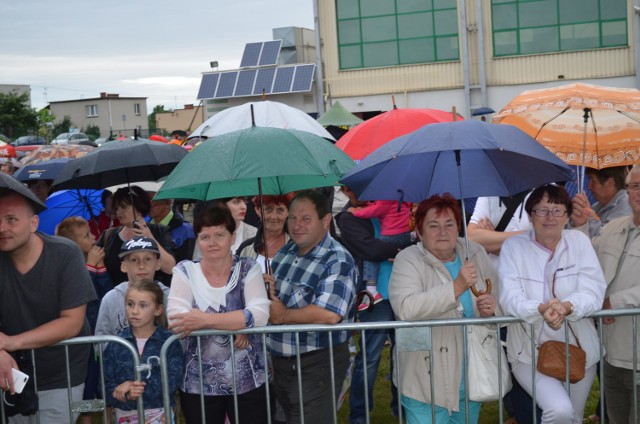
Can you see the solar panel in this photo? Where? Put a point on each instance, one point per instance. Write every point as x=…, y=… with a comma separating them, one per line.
x=244, y=86
x=251, y=54
x=208, y=86
x=226, y=85
x=270, y=52
x=303, y=78
x=284, y=76
x=264, y=80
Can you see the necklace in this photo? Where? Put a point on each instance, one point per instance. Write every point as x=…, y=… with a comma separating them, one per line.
x=270, y=243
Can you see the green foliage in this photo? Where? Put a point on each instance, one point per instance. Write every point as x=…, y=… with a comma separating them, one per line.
x=92, y=131
x=16, y=117
x=152, y=117
x=62, y=126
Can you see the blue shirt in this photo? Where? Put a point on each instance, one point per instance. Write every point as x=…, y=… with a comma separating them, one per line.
x=465, y=298
x=326, y=277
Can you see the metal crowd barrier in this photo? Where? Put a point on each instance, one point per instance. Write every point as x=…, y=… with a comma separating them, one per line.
x=409, y=336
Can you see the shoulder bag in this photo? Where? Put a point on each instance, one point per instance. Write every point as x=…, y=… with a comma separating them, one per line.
x=552, y=358
x=485, y=376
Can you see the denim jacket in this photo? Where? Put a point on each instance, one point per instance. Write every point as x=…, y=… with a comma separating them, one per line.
x=118, y=369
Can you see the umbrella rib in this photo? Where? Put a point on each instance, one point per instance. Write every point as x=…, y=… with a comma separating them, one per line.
x=633, y=118
x=549, y=120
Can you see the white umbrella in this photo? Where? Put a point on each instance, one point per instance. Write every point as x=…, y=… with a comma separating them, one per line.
x=267, y=114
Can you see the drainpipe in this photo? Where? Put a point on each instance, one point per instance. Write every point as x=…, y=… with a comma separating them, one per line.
x=319, y=73
x=465, y=58
x=481, y=58
x=636, y=31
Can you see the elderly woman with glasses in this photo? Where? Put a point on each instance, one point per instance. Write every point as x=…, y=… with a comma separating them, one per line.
x=549, y=276
x=433, y=280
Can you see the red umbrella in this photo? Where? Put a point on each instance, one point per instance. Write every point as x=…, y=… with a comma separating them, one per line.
x=7, y=150
x=366, y=137
x=157, y=137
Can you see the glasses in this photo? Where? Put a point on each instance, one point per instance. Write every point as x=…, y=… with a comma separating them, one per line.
x=554, y=212
x=633, y=187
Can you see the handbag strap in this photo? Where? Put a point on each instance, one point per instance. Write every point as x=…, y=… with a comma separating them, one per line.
x=512, y=204
x=553, y=291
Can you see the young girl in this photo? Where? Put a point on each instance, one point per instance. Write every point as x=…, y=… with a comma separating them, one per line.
x=144, y=304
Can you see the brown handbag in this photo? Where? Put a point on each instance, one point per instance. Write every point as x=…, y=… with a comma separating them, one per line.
x=552, y=356
x=551, y=361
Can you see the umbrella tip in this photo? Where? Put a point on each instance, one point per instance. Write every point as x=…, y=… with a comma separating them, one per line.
x=393, y=101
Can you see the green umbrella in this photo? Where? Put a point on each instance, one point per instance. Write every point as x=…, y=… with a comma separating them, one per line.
x=256, y=160
x=338, y=115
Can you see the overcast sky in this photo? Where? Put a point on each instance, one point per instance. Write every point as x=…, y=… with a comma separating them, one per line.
x=74, y=49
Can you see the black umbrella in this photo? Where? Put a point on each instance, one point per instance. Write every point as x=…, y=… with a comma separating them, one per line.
x=122, y=162
x=10, y=183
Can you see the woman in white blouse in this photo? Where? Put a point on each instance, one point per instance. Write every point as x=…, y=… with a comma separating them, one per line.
x=222, y=292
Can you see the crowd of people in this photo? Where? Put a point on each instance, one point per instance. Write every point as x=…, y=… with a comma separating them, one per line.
x=545, y=257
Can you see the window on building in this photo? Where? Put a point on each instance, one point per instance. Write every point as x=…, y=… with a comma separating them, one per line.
x=375, y=33
x=522, y=27
x=136, y=108
x=91, y=111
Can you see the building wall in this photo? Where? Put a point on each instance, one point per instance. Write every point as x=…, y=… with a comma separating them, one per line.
x=442, y=85
x=115, y=114
x=17, y=89
x=180, y=119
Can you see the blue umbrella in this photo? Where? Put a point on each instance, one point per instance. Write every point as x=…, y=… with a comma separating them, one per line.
x=46, y=170
x=65, y=203
x=466, y=158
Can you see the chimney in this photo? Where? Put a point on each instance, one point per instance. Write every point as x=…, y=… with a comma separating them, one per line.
x=103, y=95
x=188, y=107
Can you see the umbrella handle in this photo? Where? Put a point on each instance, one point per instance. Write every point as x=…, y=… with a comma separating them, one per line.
x=478, y=293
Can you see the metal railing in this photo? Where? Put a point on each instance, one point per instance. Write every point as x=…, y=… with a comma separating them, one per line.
x=410, y=336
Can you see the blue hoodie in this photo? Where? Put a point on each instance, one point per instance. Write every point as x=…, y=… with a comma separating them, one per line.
x=118, y=369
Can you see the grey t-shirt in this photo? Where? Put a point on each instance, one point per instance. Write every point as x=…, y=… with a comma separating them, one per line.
x=58, y=281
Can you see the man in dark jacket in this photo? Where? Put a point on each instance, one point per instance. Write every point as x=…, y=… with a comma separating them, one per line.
x=359, y=237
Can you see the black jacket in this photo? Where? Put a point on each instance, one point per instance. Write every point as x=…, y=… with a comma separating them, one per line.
x=358, y=236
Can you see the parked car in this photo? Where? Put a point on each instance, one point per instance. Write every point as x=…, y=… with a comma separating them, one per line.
x=70, y=138
x=100, y=141
x=27, y=143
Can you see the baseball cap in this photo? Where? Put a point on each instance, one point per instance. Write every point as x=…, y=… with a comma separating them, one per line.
x=138, y=244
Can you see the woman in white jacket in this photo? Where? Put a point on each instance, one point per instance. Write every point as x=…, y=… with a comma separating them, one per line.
x=549, y=275
x=431, y=280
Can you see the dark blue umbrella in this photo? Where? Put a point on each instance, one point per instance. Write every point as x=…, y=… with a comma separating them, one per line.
x=46, y=170
x=484, y=110
x=65, y=203
x=466, y=158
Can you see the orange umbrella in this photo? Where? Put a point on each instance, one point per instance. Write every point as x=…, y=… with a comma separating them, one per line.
x=157, y=137
x=583, y=124
x=55, y=151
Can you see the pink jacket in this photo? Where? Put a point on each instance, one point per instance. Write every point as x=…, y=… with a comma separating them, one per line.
x=392, y=222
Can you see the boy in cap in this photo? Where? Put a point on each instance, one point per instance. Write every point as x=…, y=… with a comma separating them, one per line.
x=140, y=260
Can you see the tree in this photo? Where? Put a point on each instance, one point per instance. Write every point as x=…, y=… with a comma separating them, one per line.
x=45, y=123
x=17, y=118
x=62, y=126
x=152, y=118
x=92, y=131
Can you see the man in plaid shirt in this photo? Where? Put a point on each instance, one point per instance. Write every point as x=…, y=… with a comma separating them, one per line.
x=314, y=282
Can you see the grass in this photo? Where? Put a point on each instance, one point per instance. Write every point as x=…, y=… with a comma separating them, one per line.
x=382, y=400
x=381, y=413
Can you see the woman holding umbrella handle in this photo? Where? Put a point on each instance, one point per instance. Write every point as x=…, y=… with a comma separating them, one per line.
x=432, y=280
